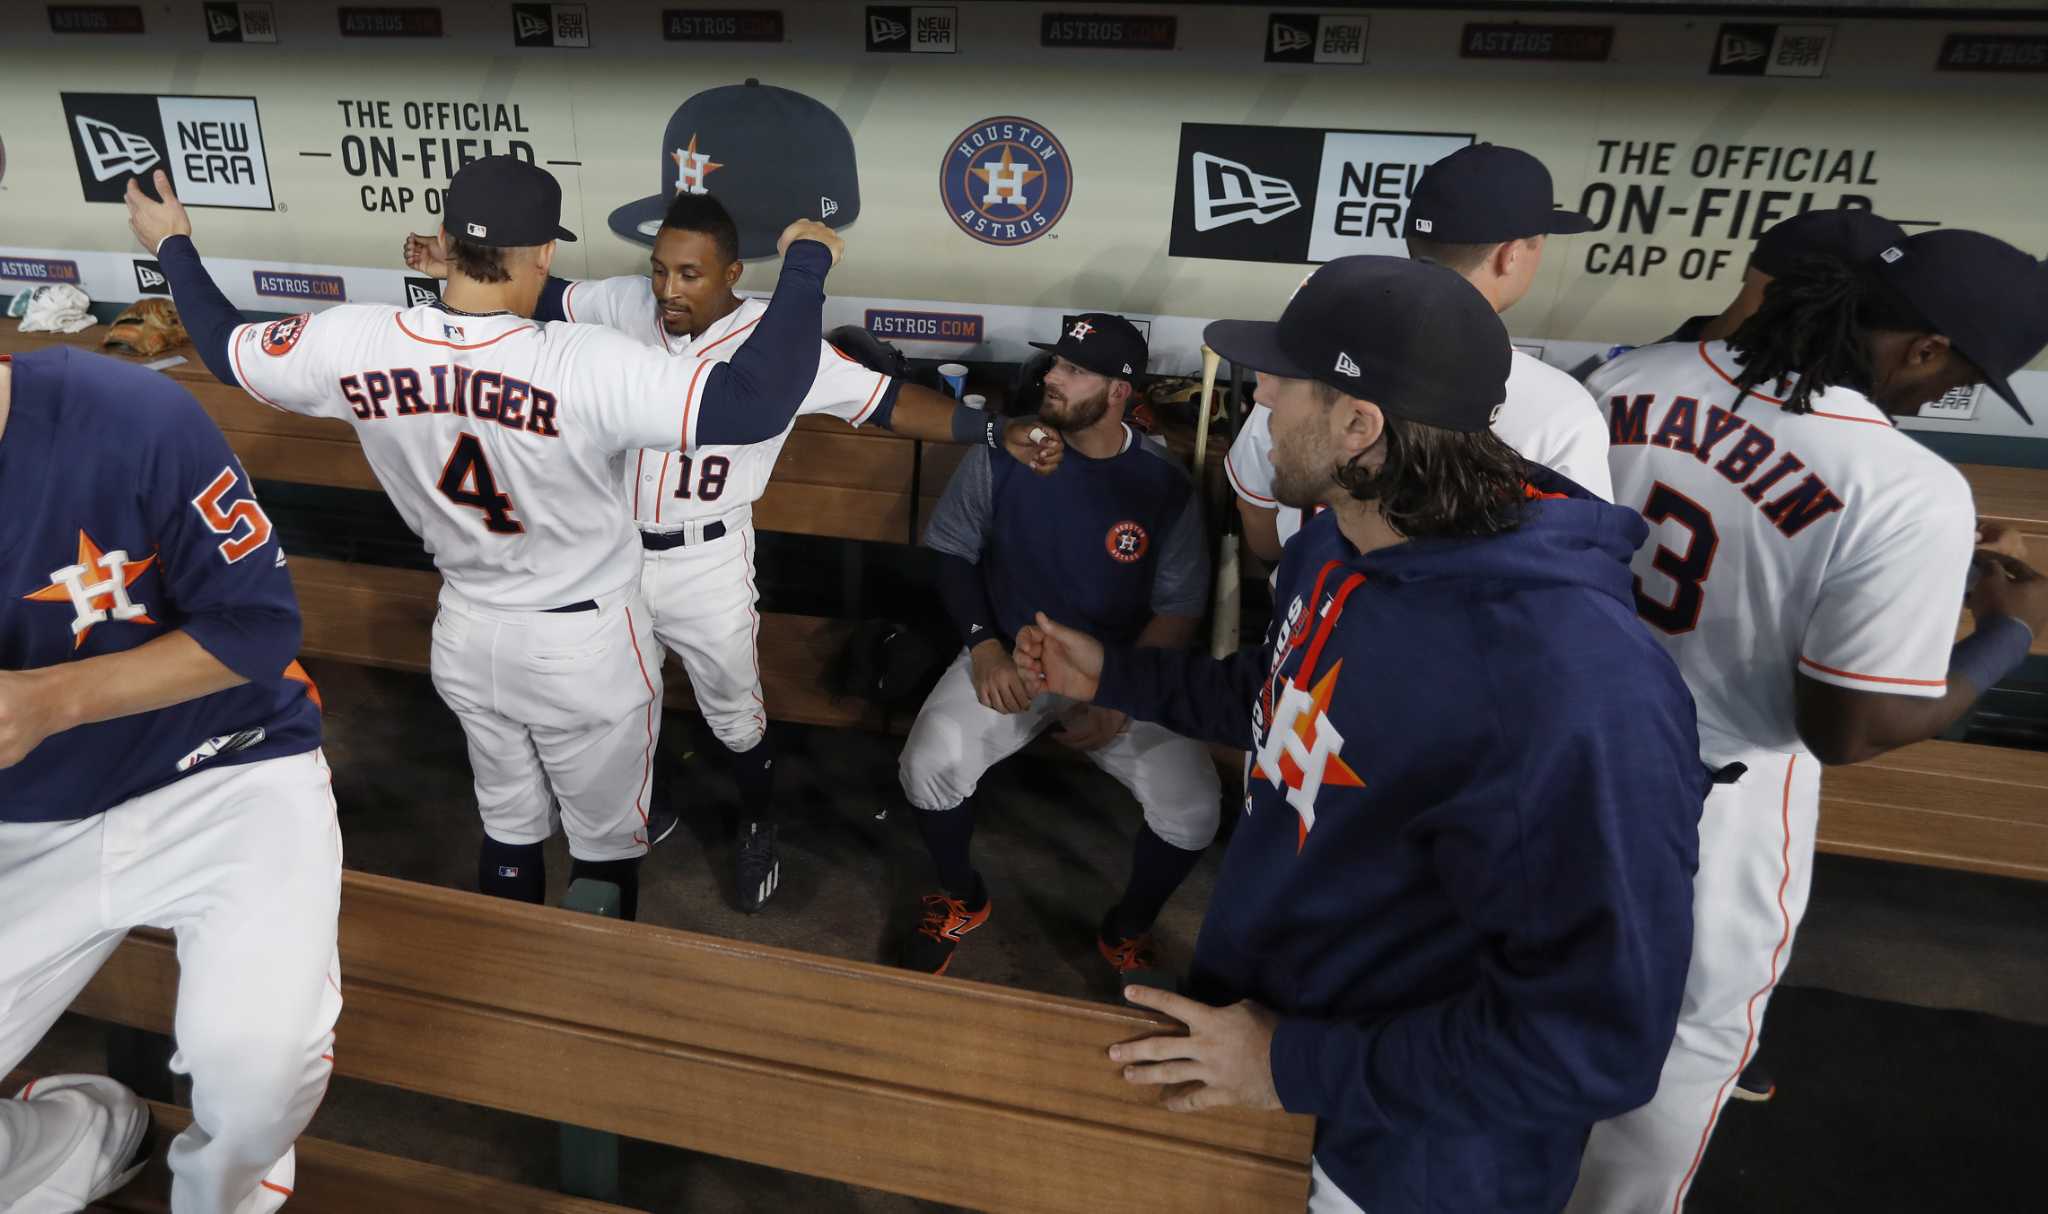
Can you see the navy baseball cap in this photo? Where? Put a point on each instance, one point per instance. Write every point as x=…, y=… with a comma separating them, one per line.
x=1485, y=194
x=1847, y=235
x=1104, y=343
x=1412, y=337
x=1988, y=298
x=772, y=156
x=505, y=203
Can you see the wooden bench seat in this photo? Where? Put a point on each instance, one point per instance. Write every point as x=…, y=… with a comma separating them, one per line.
x=1945, y=804
x=952, y=1091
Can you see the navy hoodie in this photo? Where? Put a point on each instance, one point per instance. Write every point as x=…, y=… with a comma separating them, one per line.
x=1464, y=880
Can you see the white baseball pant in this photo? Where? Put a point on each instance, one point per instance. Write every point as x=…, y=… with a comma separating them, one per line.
x=1324, y=1197
x=244, y=865
x=956, y=739
x=561, y=711
x=705, y=607
x=1756, y=867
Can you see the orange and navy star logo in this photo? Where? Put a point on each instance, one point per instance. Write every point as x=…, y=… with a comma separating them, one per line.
x=1314, y=743
x=1009, y=181
x=90, y=555
x=692, y=167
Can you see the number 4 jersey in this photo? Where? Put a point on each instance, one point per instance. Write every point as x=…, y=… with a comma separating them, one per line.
x=1826, y=543
x=498, y=438
x=127, y=518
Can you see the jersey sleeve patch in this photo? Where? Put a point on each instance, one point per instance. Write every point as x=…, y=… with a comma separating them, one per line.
x=279, y=336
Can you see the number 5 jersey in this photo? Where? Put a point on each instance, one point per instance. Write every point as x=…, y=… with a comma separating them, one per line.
x=126, y=518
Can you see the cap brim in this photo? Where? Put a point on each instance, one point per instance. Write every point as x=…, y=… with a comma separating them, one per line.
x=1254, y=345
x=2002, y=386
x=1567, y=223
x=562, y=233
x=639, y=220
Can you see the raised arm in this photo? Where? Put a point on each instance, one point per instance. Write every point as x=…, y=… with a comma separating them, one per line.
x=165, y=230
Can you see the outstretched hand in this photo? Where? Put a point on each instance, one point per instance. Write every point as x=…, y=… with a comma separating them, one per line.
x=1224, y=1060
x=1037, y=446
x=154, y=222
x=426, y=254
x=811, y=229
x=1059, y=659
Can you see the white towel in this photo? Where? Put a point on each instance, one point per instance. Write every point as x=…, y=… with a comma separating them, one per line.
x=60, y=308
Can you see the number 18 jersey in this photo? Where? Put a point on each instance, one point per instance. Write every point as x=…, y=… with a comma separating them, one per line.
x=1824, y=544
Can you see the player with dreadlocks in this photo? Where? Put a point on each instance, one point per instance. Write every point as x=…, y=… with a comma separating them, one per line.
x=1806, y=568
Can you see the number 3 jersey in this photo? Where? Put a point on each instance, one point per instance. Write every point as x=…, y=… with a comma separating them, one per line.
x=666, y=488
x=128, y=518
x=1827, y=542
x=498, y=438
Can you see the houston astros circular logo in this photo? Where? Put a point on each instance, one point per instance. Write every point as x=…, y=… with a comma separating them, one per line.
x=1126, y=542
x=1006, y=181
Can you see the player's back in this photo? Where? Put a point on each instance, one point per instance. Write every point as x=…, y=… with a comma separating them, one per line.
x=1820, y=543
x=497, y=438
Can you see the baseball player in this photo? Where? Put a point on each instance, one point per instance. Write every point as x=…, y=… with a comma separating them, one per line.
x=1112, y=537
x=1805, y=569
x=1485, y=212
x=1452, y=924
x=160, y=766
x=498, y=439
x=695, y=511
x=1845, y=234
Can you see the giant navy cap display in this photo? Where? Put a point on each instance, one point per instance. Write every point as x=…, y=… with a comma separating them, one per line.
x=1412, y=337
x=770, y=155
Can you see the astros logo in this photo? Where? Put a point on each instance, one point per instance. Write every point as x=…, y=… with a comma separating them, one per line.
x=97, y=602
x=1005, y=181
x=1127, y=542
x=692, y=167
x=279, y=336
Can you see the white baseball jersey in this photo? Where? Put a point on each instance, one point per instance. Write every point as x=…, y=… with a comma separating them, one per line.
x=1547, y=418
x=498, y=438
x=666, y=488
x=1825, y=542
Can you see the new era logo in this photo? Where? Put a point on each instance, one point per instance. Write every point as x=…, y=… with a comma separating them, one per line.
x=112, y=152
x=417, y=295
x=1289, y=38
x=530, y=25
x=881, y=29
x=220, y=22
x=1891, y=255
x=827, y=208
x=149, y=278
x=1735, y=48
x=1345, y=366
x=1227, y=192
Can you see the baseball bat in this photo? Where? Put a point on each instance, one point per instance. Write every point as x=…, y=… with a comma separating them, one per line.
x=1223, y=613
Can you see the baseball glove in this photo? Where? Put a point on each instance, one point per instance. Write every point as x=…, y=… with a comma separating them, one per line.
x=147, y=328
x=869, y=351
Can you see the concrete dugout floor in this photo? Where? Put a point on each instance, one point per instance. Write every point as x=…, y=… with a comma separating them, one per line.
x=1883, y=1105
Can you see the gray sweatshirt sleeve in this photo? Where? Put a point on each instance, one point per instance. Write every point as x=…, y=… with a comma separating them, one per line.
x=1180, y=584
x=959, y=525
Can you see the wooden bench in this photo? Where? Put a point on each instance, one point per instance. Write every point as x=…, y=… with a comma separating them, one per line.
x=951, y=1091
x=1947, y=804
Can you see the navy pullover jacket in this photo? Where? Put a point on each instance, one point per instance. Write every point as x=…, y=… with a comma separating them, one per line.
x=1465, y=875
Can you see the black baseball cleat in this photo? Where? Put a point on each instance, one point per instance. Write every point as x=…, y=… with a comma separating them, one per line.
x=661, y=822
x=1754, y=1084
x=758, y=866
x=944, y=922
